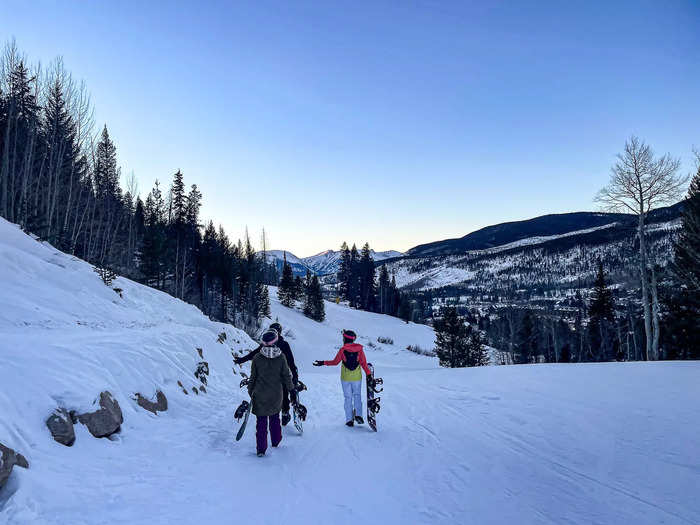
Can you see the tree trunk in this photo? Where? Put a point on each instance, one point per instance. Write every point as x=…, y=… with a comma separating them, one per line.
x=655, y=313
x=649, y=353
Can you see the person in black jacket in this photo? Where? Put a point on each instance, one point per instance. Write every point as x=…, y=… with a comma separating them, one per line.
x=287, y=351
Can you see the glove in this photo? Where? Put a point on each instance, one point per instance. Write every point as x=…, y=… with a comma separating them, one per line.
x=319, y=363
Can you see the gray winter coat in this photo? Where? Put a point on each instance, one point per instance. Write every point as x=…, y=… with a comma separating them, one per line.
x=265, y=386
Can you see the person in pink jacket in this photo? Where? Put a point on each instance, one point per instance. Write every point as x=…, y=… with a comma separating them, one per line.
x=353, y=361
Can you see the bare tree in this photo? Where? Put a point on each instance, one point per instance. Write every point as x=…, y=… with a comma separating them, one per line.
x=639, y=183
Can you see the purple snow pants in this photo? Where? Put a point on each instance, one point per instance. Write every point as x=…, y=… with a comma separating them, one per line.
x=261, y=431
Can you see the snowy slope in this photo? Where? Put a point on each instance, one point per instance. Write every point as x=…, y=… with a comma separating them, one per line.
x=576, y=444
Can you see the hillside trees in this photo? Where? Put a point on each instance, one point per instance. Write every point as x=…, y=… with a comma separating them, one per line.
x=358, y=283
x=61, y=182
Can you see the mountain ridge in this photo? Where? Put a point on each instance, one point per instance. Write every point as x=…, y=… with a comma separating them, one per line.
x=544, y=225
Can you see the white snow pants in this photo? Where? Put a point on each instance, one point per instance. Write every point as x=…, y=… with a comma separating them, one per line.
x=352, y=391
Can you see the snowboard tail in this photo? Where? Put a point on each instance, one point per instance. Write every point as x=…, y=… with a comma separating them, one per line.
x=243, y=411
x=373, y=402
x=299, y=410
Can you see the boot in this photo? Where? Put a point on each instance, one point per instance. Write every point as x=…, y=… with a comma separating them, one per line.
x=359, y=420
x=350, y=423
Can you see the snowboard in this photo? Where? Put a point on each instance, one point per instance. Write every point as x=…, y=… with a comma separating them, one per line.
x=299, y=410
x=373, y=402
x=243, y=411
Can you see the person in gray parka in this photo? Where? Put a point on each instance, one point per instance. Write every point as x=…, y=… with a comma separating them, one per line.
x=269, y=375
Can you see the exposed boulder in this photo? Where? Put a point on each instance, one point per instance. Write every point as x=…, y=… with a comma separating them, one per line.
x=202, y=372
x=60, y=425
x=8, y=459
x=105, y=421
x=160, y=405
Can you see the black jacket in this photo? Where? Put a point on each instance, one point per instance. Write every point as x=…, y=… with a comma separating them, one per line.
x=286, y=350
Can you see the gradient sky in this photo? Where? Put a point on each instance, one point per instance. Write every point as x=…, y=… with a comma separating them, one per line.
x=384, y=122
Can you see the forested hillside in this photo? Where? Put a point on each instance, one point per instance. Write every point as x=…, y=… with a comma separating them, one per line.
x=60, y=180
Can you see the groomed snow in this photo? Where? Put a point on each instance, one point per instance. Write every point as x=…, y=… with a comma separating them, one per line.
x=576, y=444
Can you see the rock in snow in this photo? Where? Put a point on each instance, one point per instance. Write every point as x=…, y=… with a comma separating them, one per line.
x=60, y=425
x=160, y=405
x=105, y=421
x=8, y=459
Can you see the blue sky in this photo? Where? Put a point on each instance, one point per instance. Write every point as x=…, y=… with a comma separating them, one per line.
x=384, y=122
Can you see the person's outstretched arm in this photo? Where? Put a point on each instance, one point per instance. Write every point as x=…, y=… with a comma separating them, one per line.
x=248, y=357
x=337, y=359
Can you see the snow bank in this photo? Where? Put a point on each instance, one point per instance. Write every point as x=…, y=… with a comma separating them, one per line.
x=65, y=336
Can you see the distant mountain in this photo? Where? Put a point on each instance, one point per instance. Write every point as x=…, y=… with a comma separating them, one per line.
x=324, y=263
x=510, y=232
x=549, y=254
x=328, y=262
x=299, y=267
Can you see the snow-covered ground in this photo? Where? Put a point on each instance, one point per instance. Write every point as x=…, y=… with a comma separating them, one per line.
x=576, y=444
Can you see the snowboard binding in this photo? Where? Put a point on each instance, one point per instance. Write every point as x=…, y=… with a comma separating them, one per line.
x=241, y=410
x=373, y=384
x=244, y=382
x=300, y=411
x=373, y=405
x=300, y=386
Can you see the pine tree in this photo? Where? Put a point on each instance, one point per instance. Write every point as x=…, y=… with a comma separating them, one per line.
x=367, y=286
x=404, y=309
x=354, y=278
x=178, y=199
x=601, y=313
x=314, y=307
x=384, y=291
x=683, y=299
x=452, y=340
x=528, y=339
x=298, y=289
x=285, y=293
x=344, y=272
x=308, y=307
x=478, y=354
x=264, y=295
x=318, y=307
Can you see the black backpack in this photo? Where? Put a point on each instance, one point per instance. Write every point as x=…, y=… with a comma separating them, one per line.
x=352, y=360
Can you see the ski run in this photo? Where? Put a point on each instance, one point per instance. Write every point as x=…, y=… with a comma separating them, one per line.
x=609, y=443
